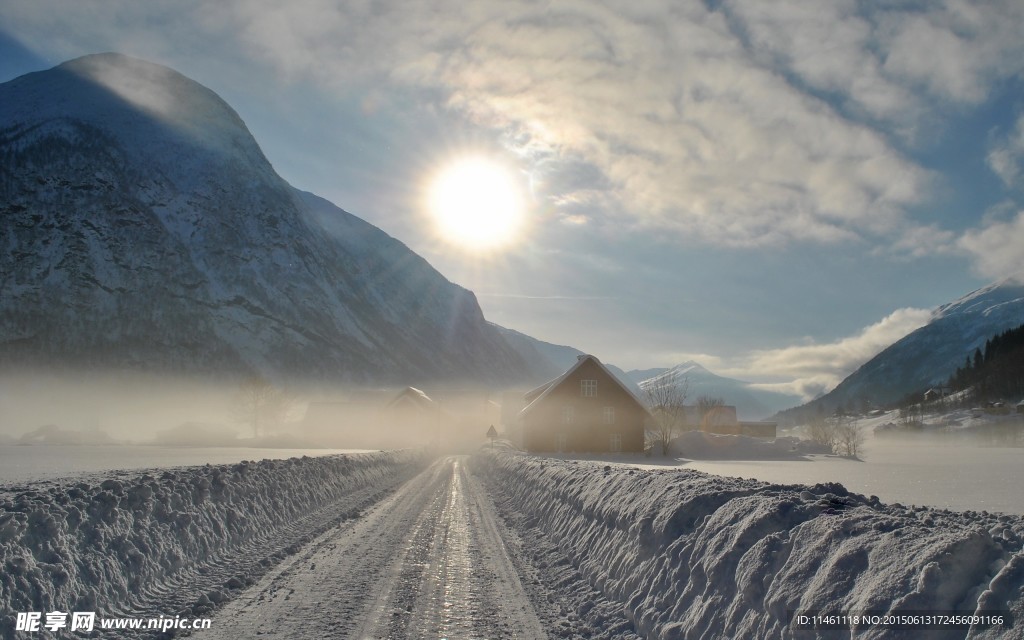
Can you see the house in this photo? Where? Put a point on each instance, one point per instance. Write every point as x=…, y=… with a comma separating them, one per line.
x=586, y=409
x=1020, y=407
x=722, y=420
x=375, y=419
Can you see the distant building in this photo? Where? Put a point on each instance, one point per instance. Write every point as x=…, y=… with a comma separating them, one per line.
x=722, y=420
x=586, y=409
x=375, y=419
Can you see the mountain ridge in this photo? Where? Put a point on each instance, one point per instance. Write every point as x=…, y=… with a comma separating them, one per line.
x=929, y=355
x=144, y=228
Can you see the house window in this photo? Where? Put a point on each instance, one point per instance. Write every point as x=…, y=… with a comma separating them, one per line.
x=615, y=443
x=588, y=388
x=568, y=415
x=560, y=442
x=608, y=413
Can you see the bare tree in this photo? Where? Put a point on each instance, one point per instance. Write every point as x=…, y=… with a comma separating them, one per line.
x=912, y=416
x=666, y=398
x=840, y=433
x=707, y=406
x=260, y=404
x=848, y=437
x=821, y=430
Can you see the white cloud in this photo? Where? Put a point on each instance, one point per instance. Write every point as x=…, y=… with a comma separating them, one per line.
x=921, y=241
x=956, y=49
x=811, y=369
x=710, y=124
x=830, y=47
x=1006, y=155
x=997, y=248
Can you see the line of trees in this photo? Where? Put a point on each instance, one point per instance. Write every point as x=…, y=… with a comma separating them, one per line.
x=995, y=372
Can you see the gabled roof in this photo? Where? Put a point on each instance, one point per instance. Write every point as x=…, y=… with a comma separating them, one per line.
x=413, y=395
x=536, y=396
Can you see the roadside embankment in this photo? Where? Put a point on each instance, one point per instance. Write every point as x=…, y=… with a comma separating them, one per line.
x=175, y=541
x=691, y=555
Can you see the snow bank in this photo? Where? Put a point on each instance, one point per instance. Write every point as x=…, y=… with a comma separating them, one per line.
x=131, y=542
x=692, y=555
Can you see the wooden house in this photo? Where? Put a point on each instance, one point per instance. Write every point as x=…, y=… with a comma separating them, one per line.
x=375, y=419
x=586, y=409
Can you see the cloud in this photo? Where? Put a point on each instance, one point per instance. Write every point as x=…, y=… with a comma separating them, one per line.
x=955, y=50
x=831, y=48
x=995, y=248
x=1006, y=156
x=921, y=241
x=811, y=369
x=737, y=125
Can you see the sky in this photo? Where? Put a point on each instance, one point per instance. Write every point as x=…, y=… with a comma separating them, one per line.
x=777, y=190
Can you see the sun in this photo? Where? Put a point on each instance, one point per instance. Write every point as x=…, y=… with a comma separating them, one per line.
x=477, y=204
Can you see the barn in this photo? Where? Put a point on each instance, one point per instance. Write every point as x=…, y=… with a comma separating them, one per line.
x=586, y=409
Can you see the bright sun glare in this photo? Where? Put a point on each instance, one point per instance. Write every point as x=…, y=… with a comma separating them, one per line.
x=477, y=204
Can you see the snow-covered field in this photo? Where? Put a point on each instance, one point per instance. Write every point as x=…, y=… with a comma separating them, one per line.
x=959, y=476
x=21, y=464
x=690, y=555
x=957, y=462
x=175, y=541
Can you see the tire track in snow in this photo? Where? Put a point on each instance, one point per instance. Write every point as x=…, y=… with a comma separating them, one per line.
x=429, y=561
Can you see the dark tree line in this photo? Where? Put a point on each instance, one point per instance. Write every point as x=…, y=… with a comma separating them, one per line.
x=995, y=372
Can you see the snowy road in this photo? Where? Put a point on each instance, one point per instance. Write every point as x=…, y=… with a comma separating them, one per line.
x=429, y=561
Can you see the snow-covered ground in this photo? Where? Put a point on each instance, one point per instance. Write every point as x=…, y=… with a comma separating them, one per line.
x=21, y=464
x=691, y=555
x=958, y=476
x=175, y=541
x=962, y=460
x=498, y=545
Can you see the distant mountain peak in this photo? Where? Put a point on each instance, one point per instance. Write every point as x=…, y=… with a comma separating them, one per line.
x=751, y=402
x=691, y=366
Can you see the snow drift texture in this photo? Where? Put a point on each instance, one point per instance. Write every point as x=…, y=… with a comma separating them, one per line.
x=693, y=555
x=110, y=546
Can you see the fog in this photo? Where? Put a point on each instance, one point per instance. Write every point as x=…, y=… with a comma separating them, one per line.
x=963, y=469
x=126, y=407
x=139, y=408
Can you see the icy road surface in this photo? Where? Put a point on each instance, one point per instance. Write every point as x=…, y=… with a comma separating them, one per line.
x=429, y=561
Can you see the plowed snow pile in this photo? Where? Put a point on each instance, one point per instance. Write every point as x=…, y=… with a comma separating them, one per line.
x=692, y=555
x=175, y=541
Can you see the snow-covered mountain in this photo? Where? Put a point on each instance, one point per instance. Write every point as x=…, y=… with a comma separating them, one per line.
x=751, y=403
x=142, y=227
x=927, y=356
